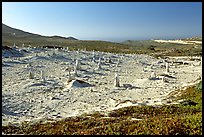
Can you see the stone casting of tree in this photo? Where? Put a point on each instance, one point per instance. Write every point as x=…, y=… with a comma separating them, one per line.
x=118, y=62
x=28, y=65
x=53, y=53
x=167, y=67
x=164, y=79
x=99, y=64
x=153, y=75
x=31, y=75
x=152, y=65
x=75, y=71
x=42, y=76
x=116, y=82
x=93, y=59
x=200, y=61
x=77, y=64
x=69, y=74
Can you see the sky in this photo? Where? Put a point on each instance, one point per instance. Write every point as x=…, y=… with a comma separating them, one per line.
x=109, y=21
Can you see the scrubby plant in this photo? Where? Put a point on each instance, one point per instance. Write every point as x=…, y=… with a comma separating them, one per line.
x=199, y=86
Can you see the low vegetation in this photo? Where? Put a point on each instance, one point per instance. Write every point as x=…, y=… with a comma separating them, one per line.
x=177, y=119
x=142, y=47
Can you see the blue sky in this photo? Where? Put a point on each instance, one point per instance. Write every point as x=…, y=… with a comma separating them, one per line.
x=111, y=21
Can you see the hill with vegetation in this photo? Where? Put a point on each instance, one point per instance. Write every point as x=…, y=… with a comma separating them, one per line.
x=9, y=33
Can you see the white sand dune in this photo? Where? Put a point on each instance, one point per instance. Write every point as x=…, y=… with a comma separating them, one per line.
x=179, y=41
x=25, y=99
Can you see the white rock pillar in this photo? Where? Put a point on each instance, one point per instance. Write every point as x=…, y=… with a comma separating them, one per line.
x=116, y=83
x=77, y=51
x=93, y=59
x=28, y=65
x=69, y=74
x=152, y=66
x=75, y=71
x=42, y=75
x=167, y=67
x=153, y=75
x=99, y=64
x=164, y=79
x=77, y=64
x=201, y=61
x=118, y=62
x=53, y=53
x=31, y=75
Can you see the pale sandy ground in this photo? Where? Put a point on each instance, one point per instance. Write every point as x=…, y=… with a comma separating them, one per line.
x=25, y=99
x=179, y=41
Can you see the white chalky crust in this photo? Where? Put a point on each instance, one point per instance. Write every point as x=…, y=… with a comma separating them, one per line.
x=34, y=99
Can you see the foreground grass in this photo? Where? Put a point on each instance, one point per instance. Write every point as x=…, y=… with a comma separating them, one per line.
x=164, y=120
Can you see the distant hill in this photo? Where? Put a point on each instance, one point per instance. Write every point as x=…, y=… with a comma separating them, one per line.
x=9, y=32
x=137, y=42
x=26, y=39
x=60, y=37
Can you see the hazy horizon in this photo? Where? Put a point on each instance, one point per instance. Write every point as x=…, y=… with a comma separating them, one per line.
x=108, y=21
